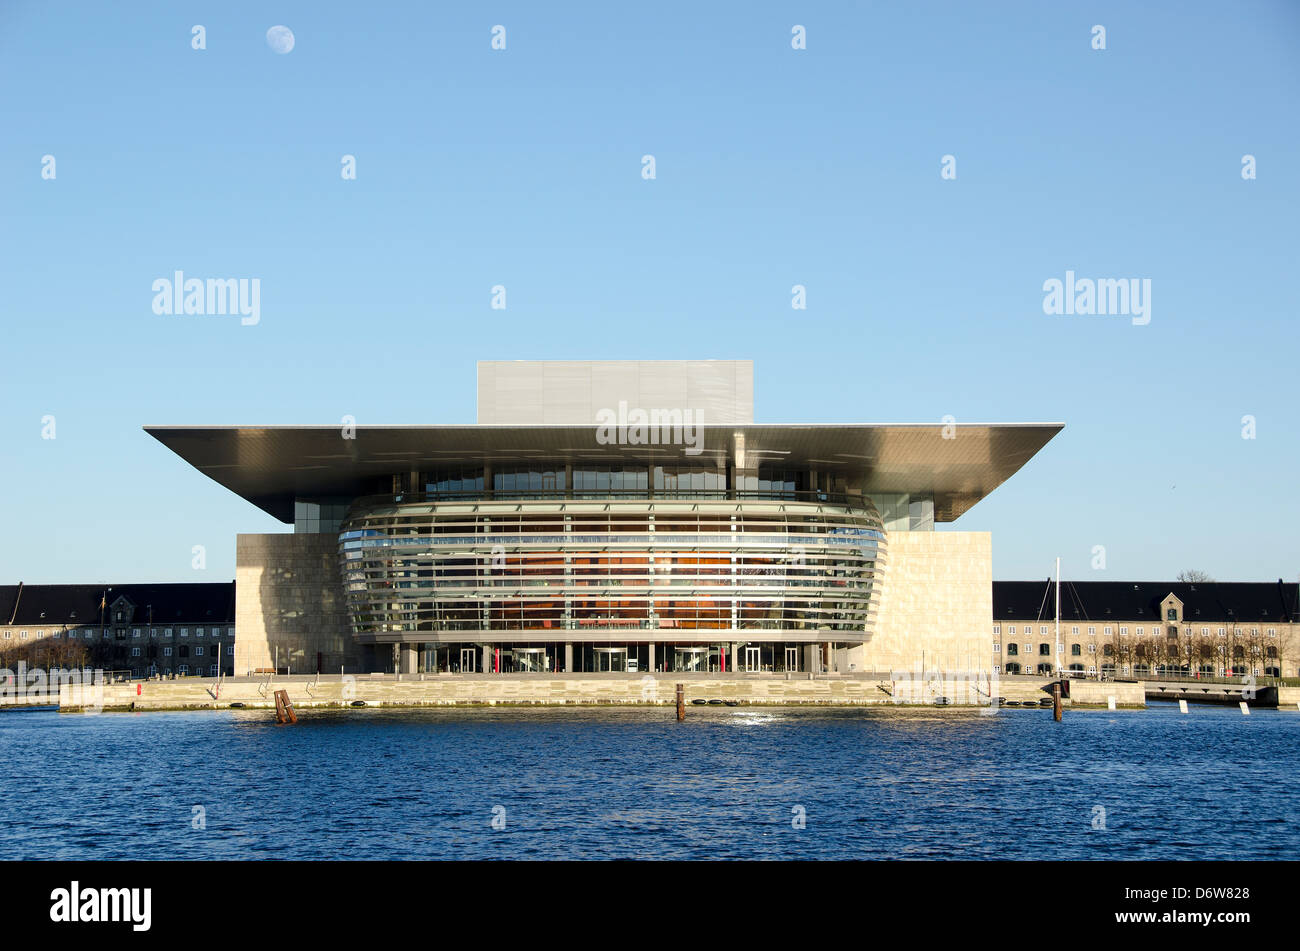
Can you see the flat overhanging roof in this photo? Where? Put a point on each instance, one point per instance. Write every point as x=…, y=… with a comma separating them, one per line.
x=270, y=466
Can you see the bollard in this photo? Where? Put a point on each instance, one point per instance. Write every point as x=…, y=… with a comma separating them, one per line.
x=681, y=702
x=1056, y=702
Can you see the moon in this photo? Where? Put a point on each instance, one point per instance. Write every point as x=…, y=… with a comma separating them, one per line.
x=280, y=39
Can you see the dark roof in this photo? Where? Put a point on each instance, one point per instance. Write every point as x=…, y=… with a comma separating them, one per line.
x=195, y=603
x=271, y=466
x=1140, y=600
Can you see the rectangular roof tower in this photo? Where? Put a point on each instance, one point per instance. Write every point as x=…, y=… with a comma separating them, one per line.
x=573, y=392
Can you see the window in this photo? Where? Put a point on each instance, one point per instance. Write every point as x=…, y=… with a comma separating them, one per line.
x=230, y=631
x=1092, y=631
x=212, y=670
x=183, y=669
x=135, y=652
x=9, y=634
x=1075, y=630
x=1171, y=614
x=56, y=635
x=1076, y=650
x=1205, y=631
x=997, y=648
x=997, y=628
x=1272, y=632
x=1139, y=632
x=198, y=650
x=997, y=669
x=167, y=632
x=1092, y=648
x=1042, y=629
x=1123, y=632
x=1013, y=650
x=1011, y=629
x=167, y=652
x=230, y=650
x=185, y=632
x=1044, y=650
x=23, y=636
x=1106, y=630
x=198, y=632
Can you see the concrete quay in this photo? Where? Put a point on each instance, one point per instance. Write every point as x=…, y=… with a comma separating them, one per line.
x=416, y=690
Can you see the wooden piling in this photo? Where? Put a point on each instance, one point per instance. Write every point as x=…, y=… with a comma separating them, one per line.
x=283, y=708
x=681, y=702
x=1056, y=701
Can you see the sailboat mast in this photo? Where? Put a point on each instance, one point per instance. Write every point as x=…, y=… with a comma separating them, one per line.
x=1058, y=614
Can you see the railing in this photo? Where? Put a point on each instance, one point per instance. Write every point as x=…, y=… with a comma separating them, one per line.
x=615, y=495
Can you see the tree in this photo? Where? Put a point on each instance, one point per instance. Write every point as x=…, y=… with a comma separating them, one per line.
x=1194, y=576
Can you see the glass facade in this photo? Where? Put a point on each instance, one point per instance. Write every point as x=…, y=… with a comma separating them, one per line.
x=317, y=516
x=597, y=570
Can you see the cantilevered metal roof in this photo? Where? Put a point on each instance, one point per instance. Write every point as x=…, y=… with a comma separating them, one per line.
x=270, y=466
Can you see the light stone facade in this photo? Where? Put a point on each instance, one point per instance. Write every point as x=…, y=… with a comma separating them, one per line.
x=289, y=605
x=526, y=392
x=935, y=606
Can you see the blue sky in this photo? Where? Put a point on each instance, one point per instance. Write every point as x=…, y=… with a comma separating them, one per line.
x=774, y=167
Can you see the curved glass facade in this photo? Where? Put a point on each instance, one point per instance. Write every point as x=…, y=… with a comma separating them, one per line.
x=561, y=569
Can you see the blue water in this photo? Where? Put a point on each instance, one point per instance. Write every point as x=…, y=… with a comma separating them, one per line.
x=631, y=783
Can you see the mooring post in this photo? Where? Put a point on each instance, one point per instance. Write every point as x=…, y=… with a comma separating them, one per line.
x=1056, y=701
x=681, y=702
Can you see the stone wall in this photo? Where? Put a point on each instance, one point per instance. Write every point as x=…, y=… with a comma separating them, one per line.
x=936, y=605
x=289, y=605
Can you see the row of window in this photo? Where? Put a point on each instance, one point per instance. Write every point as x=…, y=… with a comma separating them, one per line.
x=184, y=651
x=89, y=632
x=1108, y=630
x=1045, y=650
x=1206, y=670
x=182, y=669
x=1076, y=650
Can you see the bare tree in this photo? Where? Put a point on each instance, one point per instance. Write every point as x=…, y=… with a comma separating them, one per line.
x=1194, y=576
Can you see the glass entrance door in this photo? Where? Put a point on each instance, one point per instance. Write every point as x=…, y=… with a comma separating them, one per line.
x=753, y=659
x=792, y=658
x=531, y=659
x=467, y=655
x=691, y=659
x=611, y=659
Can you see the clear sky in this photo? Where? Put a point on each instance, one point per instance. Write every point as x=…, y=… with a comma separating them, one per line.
x=774, y=167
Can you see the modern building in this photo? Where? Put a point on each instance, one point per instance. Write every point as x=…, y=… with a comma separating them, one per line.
x=613, y=516
x=141, y=630
x=1148, y=629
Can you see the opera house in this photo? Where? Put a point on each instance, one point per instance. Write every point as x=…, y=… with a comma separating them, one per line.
x=612, y=516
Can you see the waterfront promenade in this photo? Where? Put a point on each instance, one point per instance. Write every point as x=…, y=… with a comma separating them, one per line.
x=416, y=690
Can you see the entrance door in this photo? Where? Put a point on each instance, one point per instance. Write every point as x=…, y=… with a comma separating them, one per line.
x=531, y=659
x=753, y=659
x=611, y=659
x=467, y=655
x=792, y=658
x=691, y=659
